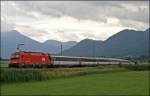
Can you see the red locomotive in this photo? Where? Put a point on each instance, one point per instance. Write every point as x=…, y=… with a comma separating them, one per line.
x=34, y=59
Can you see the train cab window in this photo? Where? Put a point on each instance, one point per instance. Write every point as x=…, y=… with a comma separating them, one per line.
x=14, y=56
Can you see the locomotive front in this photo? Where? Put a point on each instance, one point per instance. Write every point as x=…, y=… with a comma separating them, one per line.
x=15, y=59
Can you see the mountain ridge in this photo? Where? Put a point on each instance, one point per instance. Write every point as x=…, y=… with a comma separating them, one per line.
x=123, y=43
x=10, y=40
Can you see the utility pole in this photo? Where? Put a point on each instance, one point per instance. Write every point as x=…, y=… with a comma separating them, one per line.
x=61, y=48
x=18, y=47
x=60, y=44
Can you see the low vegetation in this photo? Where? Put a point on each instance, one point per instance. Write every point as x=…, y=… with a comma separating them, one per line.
x=137, y=67
x=19, y=75
x=9, y=75
x=134, y=83
x=3, y=64
x=101, y=80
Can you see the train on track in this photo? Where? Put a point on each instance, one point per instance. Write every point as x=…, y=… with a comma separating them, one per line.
x=39, y=59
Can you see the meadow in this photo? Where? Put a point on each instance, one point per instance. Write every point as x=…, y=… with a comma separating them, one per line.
x=100, y=80
x=3, y=64
x=116, y=83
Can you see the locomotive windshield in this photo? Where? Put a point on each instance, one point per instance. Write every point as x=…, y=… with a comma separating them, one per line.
x=14, y=56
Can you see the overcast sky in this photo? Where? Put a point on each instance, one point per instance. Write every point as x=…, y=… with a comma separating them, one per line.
x=73, y=20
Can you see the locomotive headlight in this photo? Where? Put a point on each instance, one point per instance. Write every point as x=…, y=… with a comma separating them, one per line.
x=17, y=56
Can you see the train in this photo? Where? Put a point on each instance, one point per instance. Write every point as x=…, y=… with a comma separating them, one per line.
x=39, y=60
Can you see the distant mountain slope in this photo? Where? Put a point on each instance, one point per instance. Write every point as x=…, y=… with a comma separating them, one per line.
x=9, y=41
x=85, y=47
x=54, y=46
x=124, y=43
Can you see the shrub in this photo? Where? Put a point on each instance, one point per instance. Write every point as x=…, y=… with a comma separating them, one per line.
x=138, y=67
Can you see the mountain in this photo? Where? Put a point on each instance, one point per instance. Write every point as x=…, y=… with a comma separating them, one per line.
x=124, y=43
x=9, y=41
x=54, y=46
x=85, y=47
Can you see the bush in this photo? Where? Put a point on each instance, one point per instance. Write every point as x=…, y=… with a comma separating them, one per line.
x=138, y=67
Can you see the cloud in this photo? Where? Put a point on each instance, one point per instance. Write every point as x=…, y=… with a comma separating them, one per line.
x=73, y=20
x=67, y=28
x=6, y=26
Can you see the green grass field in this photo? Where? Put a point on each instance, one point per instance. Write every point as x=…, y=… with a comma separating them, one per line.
x=116, y=83
x=3, y=64
x=101, y=80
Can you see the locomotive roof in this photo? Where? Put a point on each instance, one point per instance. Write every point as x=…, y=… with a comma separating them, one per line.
x=31, y=52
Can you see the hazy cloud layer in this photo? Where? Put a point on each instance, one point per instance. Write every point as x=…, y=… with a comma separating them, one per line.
x=73, y=20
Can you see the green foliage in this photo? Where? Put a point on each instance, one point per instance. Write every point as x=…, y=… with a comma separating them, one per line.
x=137, y=67
x=9, y=75
x=20, y=75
